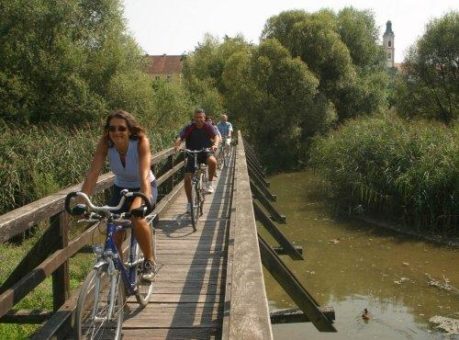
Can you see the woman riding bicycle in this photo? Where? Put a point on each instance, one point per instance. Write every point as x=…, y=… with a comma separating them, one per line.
x=128, y=149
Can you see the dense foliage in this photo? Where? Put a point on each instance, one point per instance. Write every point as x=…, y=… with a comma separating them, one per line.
x=387, y=166
x=68, y=61
x=429, y=83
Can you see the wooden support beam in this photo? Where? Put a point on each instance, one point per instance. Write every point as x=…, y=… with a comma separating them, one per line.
x=254, y=161
x=266, y=192
x=294, y=315
x=276, y=233
x=283, y=251
x=252, y=158
x=258, y=174
x=268, y=206
x=23, y=316
x=293, y=287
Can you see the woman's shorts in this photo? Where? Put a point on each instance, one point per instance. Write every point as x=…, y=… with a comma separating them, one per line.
x=116, y=196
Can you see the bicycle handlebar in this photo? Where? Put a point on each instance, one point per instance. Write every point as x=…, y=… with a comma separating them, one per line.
x=80, y=209
x=196, y=151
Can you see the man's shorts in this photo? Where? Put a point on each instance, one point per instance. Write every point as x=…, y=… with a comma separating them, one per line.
x=202, y=158
x=116, y=196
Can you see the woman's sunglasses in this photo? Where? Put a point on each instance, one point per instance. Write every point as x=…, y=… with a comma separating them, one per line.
x=120, y=128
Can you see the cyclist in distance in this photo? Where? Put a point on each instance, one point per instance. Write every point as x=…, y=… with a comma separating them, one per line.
x=198, y=135
x=226, y=129
x=127, y=147
x=210, y=121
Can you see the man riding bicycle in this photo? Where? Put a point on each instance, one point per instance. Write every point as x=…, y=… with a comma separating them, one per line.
x=226, y=130
x=198, y=135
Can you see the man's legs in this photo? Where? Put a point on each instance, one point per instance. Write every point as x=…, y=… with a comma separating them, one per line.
x=212, y=166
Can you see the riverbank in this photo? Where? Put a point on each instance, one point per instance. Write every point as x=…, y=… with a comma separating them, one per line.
x=436, y=239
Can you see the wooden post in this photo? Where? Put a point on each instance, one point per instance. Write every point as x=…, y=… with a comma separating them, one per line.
x=61, y=282
x=170, y=165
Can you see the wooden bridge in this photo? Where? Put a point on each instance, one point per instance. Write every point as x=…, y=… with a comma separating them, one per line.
x=210, y=283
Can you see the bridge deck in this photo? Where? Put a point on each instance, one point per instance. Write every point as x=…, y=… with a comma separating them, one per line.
x=189, y=288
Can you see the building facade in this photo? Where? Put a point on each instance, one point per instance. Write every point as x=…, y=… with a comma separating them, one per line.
x=166, y=67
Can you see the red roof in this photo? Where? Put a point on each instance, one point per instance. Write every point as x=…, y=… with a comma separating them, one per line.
x=164, y=64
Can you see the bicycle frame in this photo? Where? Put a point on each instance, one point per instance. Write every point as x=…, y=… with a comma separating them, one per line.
x=110, y=254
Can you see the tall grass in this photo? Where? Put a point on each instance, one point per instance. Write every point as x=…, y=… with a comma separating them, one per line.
x=405, y=171
x=36, y=161
x=41, y=297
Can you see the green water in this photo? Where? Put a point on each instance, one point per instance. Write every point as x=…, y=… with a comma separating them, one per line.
x=352, y=266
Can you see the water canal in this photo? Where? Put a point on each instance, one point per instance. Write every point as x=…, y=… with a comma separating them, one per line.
x=352, y=266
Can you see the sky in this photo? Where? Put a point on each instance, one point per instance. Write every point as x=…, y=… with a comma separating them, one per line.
x=177, y=26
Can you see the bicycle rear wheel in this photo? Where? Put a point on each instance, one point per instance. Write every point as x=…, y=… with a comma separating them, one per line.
x=227, y=155
x=92, y=319
x=195, y=204
x=221, y=158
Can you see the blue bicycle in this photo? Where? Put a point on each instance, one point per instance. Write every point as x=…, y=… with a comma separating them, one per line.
x=100, y=308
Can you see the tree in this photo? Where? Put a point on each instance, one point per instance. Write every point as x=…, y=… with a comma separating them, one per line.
x=58, y=60
x=341, y=50
x=276, y=97
x=358, y=31
x=429, y=85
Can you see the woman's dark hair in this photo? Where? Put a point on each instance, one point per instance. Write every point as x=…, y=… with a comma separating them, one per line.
x=135, y=129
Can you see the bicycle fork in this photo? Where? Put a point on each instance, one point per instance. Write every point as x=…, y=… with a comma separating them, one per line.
x=114, y=276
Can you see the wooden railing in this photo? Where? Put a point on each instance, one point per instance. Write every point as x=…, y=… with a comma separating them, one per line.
x=51, y=253
x=246, y=312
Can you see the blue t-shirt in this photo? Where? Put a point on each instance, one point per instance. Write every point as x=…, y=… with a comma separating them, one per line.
x=225, y=128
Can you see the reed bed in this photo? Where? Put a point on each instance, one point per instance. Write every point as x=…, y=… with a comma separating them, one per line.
x=384, y=166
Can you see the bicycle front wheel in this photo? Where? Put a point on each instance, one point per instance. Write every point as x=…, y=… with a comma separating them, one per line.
x=94, y=319
x=195, y=204
x=144, y=287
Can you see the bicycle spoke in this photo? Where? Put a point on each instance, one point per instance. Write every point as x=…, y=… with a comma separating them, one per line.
x=92, y=317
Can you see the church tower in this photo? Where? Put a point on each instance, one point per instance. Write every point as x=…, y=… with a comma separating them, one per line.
x=388, y=44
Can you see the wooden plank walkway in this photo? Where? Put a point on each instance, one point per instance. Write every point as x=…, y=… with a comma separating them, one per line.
x=190, y=286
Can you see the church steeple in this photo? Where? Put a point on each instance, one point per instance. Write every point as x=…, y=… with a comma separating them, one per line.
x=388, y=44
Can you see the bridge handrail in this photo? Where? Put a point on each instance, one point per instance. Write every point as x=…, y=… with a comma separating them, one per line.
x=246, y=311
